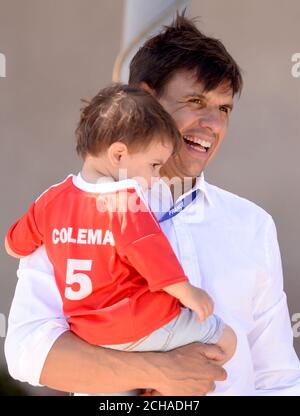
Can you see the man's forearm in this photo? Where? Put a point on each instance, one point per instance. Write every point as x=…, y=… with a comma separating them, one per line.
x=73, y=365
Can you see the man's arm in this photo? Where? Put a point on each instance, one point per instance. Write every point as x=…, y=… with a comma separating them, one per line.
x=40, y=349
x=276, y=365
x=74, y=365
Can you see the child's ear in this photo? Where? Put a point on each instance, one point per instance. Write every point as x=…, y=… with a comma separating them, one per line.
x=116, y=153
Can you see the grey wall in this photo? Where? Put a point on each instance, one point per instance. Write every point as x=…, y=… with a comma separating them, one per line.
x=60, y=50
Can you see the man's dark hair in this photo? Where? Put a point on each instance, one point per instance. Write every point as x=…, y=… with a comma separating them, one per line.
x=181, y=46
x=123, y=113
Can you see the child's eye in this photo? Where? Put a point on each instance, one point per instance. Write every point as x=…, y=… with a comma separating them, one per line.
x=155, y=165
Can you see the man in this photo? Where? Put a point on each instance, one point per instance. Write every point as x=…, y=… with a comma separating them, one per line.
x=226, y=245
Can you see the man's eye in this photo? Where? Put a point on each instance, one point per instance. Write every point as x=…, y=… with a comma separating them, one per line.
x=195, y=101
x=225, y=109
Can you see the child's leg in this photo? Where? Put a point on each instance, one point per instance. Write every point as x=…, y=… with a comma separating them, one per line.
x=227, y=343
x=184, y=329
x=187, y=329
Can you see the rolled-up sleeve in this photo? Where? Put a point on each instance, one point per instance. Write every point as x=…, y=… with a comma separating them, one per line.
x=36, y=318
x=276, y=365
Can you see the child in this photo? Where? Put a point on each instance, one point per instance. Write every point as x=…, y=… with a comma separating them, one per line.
x=121, y=284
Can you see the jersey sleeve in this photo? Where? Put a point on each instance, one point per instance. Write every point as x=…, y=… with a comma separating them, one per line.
x=25, y=236
x=141, y=242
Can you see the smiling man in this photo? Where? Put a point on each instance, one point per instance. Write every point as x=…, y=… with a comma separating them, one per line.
x=202, y=117
x=226, y=245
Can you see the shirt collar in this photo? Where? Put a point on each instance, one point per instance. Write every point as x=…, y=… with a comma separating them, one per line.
x=201, y=184
x=104, y=184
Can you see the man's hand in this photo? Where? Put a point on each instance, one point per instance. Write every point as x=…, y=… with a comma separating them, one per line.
x=190, y=370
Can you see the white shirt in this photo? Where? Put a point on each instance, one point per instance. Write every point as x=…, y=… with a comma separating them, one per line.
x=226, y=245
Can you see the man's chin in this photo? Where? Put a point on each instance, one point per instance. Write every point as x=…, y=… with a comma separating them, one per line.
x=195, y=166
x=195, y=172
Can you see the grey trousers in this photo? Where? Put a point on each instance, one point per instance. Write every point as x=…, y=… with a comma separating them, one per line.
x=184, y=329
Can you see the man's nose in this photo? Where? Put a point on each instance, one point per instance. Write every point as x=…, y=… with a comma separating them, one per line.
x=211, y=119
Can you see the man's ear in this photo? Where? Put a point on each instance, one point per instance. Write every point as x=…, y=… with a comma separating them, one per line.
x=144, y=86
x=116, y=152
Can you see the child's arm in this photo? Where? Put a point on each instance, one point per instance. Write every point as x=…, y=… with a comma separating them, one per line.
x=10, y=252
x=192, y=297
x=200, y=302
x=23, y=237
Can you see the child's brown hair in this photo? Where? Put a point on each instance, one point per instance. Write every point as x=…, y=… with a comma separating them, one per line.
x=123, y=113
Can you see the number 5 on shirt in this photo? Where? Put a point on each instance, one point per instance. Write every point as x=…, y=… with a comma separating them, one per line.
x=82, y=279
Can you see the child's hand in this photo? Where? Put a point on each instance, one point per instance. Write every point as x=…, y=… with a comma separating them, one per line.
x=192, y=297
x=200, y=302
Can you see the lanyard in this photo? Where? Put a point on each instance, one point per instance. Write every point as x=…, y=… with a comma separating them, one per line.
x=179, y=206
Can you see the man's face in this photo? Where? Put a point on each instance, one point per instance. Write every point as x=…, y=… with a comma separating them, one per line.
x=202, y=118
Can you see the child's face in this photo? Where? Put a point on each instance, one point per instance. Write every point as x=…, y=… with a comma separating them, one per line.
x=145, y=165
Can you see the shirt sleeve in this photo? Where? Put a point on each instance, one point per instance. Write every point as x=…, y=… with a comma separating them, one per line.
x=36, y=318
x=276, y=365
x=141, y=242
x=25, y=236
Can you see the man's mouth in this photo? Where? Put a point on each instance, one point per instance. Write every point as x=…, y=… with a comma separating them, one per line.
x=197, y=144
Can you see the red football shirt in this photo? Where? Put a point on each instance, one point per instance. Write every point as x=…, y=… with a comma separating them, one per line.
x=110, y=258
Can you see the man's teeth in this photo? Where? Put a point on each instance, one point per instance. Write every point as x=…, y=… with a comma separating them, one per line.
x=196, y=140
